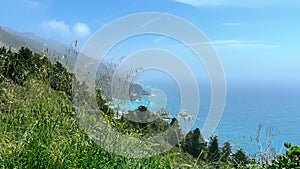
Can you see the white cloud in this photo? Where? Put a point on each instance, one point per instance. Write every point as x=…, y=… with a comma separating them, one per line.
x=81, y=29
x=54, y=27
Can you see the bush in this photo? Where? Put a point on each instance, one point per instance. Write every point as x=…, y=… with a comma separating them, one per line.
x=291, y=159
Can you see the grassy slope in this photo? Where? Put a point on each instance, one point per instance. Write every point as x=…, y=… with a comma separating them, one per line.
x=40, y=133
x=38, y=129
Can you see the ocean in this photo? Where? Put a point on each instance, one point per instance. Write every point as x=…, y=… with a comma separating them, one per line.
x=275, y=107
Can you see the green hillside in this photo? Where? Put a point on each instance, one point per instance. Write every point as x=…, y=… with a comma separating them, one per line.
x=16, y=40
x=11, y=41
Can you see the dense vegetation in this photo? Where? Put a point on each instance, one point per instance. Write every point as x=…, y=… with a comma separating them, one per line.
x=39, y=127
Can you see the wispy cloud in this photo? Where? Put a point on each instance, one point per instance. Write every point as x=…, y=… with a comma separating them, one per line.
x=198, y=3
x=245, y=3
x=152, y=20
x=236, y=44
x=54, y=27
x=241, y=44
x=32, y=3
x=229, y=42
x=160, y=39
x=231, y=24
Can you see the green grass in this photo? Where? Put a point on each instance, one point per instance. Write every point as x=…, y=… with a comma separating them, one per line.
x=41, y=133
x=39, y=129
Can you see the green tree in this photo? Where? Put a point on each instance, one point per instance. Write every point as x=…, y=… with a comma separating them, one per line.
x=240, y=157
x=226, y=151
x=61, y=79
x=291, y=159
x=174, y=134
x=213, y=149
x=194, y=144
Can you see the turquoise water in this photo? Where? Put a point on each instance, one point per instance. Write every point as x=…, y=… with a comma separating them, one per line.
x=131, y=105
x=246, y=108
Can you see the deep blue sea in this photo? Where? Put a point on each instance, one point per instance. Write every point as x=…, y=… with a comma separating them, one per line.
x=273, y=106
x=247, y=106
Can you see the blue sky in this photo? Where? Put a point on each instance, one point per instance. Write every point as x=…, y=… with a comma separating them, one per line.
x=256, y=41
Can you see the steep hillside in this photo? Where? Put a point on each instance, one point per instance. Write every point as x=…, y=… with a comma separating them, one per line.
x=37, y=41
x=15, y=40
x=8, y=40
